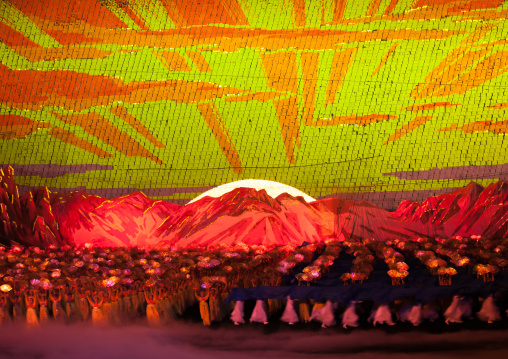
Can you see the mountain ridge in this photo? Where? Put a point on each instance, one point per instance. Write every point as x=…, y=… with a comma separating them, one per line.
x=43, y=218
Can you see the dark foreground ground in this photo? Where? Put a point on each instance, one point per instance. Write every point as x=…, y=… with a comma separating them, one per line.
x=187, y=338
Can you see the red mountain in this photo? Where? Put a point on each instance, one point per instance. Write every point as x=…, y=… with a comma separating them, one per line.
x=472, y=210
x=124, y=221
x=246, y=215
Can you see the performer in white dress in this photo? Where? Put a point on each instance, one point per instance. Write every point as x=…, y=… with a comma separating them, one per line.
x=327, y=316
x=259, y=313
x=237, y=313
x=317, y=308
x=96, y=300
x=489, y=311
x=458, y=310
x=350, y=318
x=381, y=315
x=412, y=314
x=31, y=315
x=289, y=315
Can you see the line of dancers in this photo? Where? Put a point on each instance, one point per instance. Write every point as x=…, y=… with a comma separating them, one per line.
x=328, y=313
x=160, y=304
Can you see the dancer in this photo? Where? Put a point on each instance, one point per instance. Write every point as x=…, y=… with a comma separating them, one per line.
x=216, y=312
x=106, y=307
x=317, y=308
x=31, y=314
x=459, y=309
x=96, y=300
x=134, y=298
x=152, y=314
x=259, y=313
x=17, y=312
x=237, y=313
x=350, y=318
x=43, y=306
x=489, y=312
x=58, y=313
x=163, y=304
x=84, y=307
x=70, y=306
x=202, y=296
x=289, y=315
x=303, y=310
x=327, y=316
x=114, y=296
x=412, y=314
x=381, y=315
x=127, y=302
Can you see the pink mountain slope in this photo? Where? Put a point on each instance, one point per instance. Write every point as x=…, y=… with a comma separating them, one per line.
x=245, y=215
x=472, y=210
x=124, y=221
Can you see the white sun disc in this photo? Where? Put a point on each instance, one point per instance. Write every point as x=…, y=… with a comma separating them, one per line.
x=273, y=189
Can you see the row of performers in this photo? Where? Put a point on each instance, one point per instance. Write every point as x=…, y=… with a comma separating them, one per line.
x=118, y=305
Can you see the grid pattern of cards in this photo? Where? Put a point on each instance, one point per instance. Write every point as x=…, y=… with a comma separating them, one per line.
x=380, y=100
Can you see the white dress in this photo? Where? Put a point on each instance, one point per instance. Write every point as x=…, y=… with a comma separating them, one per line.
x=317, y=308
x=382, y=315
x=415, y=316
x=350, y=318
x=237, y=313
x=459, y=309
x=412, y=314
x=326, y=316
x=490, y=311
x=259, y=313
x=289, y=315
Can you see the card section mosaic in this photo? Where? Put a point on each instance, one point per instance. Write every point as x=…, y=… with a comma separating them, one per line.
x=382, y=100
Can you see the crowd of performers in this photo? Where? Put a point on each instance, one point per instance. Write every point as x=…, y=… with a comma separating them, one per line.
x=115, y=286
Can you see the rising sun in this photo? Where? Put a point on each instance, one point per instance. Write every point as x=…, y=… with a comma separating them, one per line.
x=273, y=189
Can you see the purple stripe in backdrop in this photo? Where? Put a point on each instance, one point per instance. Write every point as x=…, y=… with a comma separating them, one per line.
x=51, y=171
x=390, y=200
x=455, y=173
x=117, y=192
